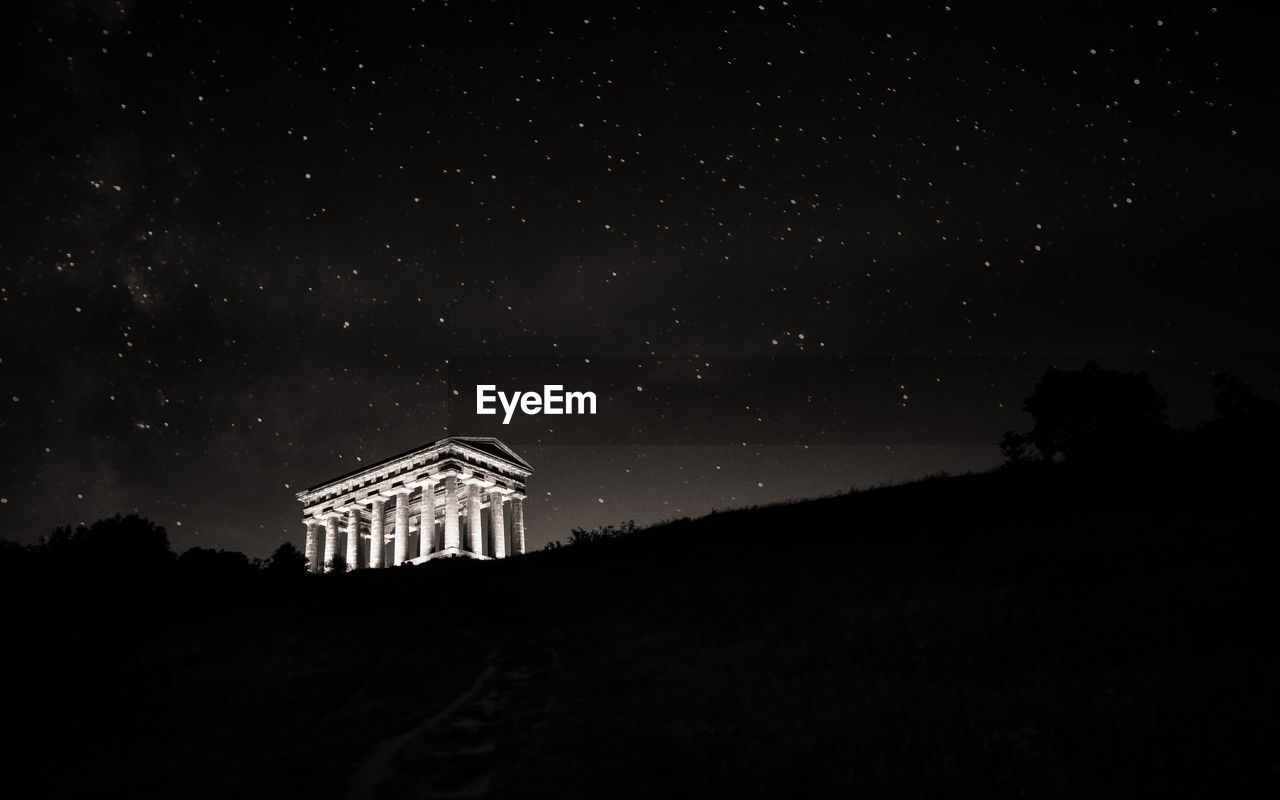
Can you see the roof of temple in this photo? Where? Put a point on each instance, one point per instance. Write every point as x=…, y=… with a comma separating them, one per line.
x=489, y=445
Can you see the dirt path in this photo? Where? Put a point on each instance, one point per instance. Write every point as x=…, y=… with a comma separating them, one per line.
x=452, y=753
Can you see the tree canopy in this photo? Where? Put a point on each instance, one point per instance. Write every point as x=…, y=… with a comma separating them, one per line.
x=1092, y=414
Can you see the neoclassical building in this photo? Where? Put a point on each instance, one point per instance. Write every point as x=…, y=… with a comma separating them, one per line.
x=461, y=495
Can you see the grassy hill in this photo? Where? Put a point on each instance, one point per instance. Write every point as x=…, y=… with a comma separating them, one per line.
x=1021, y=633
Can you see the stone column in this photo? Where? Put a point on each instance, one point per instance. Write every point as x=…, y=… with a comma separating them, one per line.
x=312, y=546
x=427, y=518
x=353, y=536
x=452, y=536
x=497, y=525
x=402, y=526
x=377, y=533
x=475, y=536
x=330, y=540
x=517, y=524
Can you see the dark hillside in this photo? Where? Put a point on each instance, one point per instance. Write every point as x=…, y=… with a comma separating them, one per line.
x=1030, y=632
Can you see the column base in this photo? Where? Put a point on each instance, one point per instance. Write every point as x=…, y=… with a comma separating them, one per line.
x=446, y=553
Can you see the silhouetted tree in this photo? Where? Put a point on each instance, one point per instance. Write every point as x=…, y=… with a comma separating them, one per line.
x=287, y=562
x=581, y=536
x=215, y=566
x=131, y=545
x=1236, y=400
x=1245, y=425
x=1237, y=407
x=1092, y=414
x=15, y=569
x=1015, y=447
x=13, y=553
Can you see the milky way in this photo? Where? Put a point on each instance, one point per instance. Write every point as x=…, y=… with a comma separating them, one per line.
x=248, y=249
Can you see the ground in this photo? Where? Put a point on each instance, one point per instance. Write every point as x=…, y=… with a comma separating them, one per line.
x=978, y=636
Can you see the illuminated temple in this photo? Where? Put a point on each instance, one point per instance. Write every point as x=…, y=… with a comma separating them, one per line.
x=459, y=496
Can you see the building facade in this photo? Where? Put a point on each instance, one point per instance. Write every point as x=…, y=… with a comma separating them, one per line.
x=459, y=496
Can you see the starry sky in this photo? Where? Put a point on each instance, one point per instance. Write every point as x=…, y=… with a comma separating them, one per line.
x=795, y=247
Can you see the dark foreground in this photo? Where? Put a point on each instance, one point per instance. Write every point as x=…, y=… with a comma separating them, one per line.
x=1005, y=635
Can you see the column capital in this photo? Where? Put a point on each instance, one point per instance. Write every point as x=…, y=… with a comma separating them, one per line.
x=424, y=483
x=396, y=492
x=326, y=515
x=501, y=490
x=374, y=499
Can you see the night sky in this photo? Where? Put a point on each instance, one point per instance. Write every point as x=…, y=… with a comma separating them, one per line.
x=793, y=247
